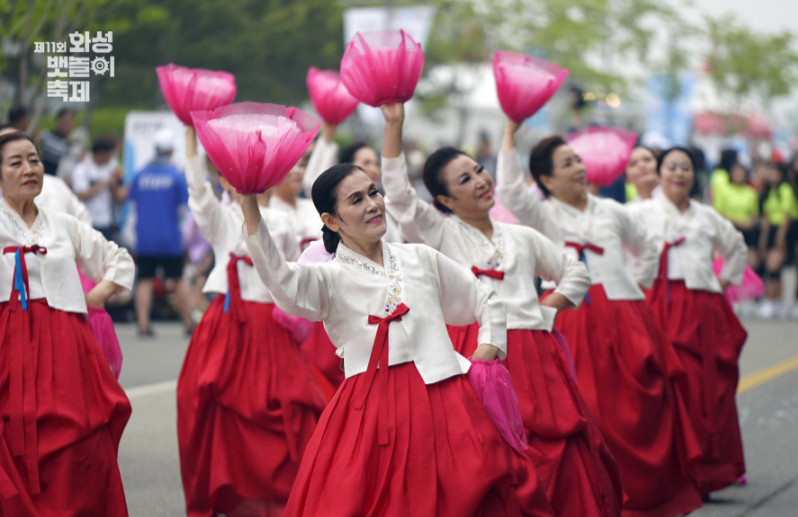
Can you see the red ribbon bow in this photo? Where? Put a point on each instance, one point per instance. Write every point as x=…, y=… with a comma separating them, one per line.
x=490, y=273
x=234, y=284
x=580, y=248
x=379, y=353
x=663, y=266
x=22, y=433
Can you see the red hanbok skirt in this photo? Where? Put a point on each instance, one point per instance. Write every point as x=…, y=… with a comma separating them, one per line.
x=576, y=469
x=320, y=351
x=634, y=384
x=708, y=339
x=247, y=405
x=63, y=414
x=444, y=458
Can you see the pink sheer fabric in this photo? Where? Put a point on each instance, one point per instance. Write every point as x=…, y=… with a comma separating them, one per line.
x=192, y=89
x=254, y=145
x=605, y=151
x=381, y=67
x=525, y=83
x=102, y=327
x=329, y=96
x=751, y=287
x=493, y=385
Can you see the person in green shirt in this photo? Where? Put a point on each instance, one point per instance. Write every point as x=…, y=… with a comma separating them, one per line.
x=780, y=212
x=738, y=202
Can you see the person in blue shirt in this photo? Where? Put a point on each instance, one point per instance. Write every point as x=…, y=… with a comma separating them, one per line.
x=158, y=197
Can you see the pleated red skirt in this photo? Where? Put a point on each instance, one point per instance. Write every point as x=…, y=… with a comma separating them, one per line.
x=444, y=457
x=633, y=383
x=576, y=469
x=320, y=351
x=247, y=405
x=708, y=339
x=63, y=414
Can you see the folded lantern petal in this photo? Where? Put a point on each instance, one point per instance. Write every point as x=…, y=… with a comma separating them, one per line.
x=605, y=151
x=380, y=67
x=194, y=89
x=254, y=145
x=329, y=96
x=524, y=83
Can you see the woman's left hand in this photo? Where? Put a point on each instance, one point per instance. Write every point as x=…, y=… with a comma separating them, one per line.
x=485, y=352
x=100, y=293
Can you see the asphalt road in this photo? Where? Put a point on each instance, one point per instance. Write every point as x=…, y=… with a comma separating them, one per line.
x=768, y=406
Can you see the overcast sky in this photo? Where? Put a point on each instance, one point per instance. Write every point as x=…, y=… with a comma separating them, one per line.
x=762, y=15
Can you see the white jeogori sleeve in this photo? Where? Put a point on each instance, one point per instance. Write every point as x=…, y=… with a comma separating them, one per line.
x=322, y=158
x=731, y=246
x=101, y=259
x=553, y=264
x=303, y=290
x=464, y=299
x=643, y=246
x=414, y=216
x=526, y=206
x=205, y=208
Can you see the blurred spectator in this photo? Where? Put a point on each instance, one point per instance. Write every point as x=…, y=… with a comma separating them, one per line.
x=158, y=197
x=720, y=176
x=54, y=143
x=780, y=209
x=739, y=203
x=18, y=118
x=97, y=182
x=641, y=174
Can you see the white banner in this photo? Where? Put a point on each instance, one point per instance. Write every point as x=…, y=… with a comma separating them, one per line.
x=416, y=21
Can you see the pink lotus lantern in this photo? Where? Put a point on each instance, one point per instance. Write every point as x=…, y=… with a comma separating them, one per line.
x=751, y=287
x=525, y=83
x=330, y=97
x=254, y=145
x=605, y=151
x=194, y=89
x=381, y=67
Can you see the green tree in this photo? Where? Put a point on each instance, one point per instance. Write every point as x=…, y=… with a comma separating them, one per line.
x=746, y=65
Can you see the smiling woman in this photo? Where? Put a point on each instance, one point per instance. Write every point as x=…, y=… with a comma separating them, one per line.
x=63, y=429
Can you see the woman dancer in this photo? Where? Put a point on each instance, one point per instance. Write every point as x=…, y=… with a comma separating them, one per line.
x=412, y=437
x=688, y=301
x=247, y=402
x=318, y=346
x=641, y=174
x=285, y=197
x=575, y=468
x=626, y=367
x=62, y=410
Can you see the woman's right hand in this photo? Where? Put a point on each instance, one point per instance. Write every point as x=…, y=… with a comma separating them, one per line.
x=393, y=112
x=394, y=118
x=251, y=210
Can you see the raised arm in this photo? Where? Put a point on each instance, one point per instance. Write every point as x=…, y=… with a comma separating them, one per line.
x=513, y=193
x=303, y=290
x=730, y=244
x=415, y=217
x=102, y=261
x=322, y=158
x=206, y=209
x=641, y=244
x=570, y=275
x=464, y=299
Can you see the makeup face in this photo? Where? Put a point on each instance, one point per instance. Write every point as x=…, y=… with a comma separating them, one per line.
x=21, y=171
x=366, y=158
x=677, y=176
x=360, y=209
x=568, y=178
x=469, y=185
x=642, y=169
